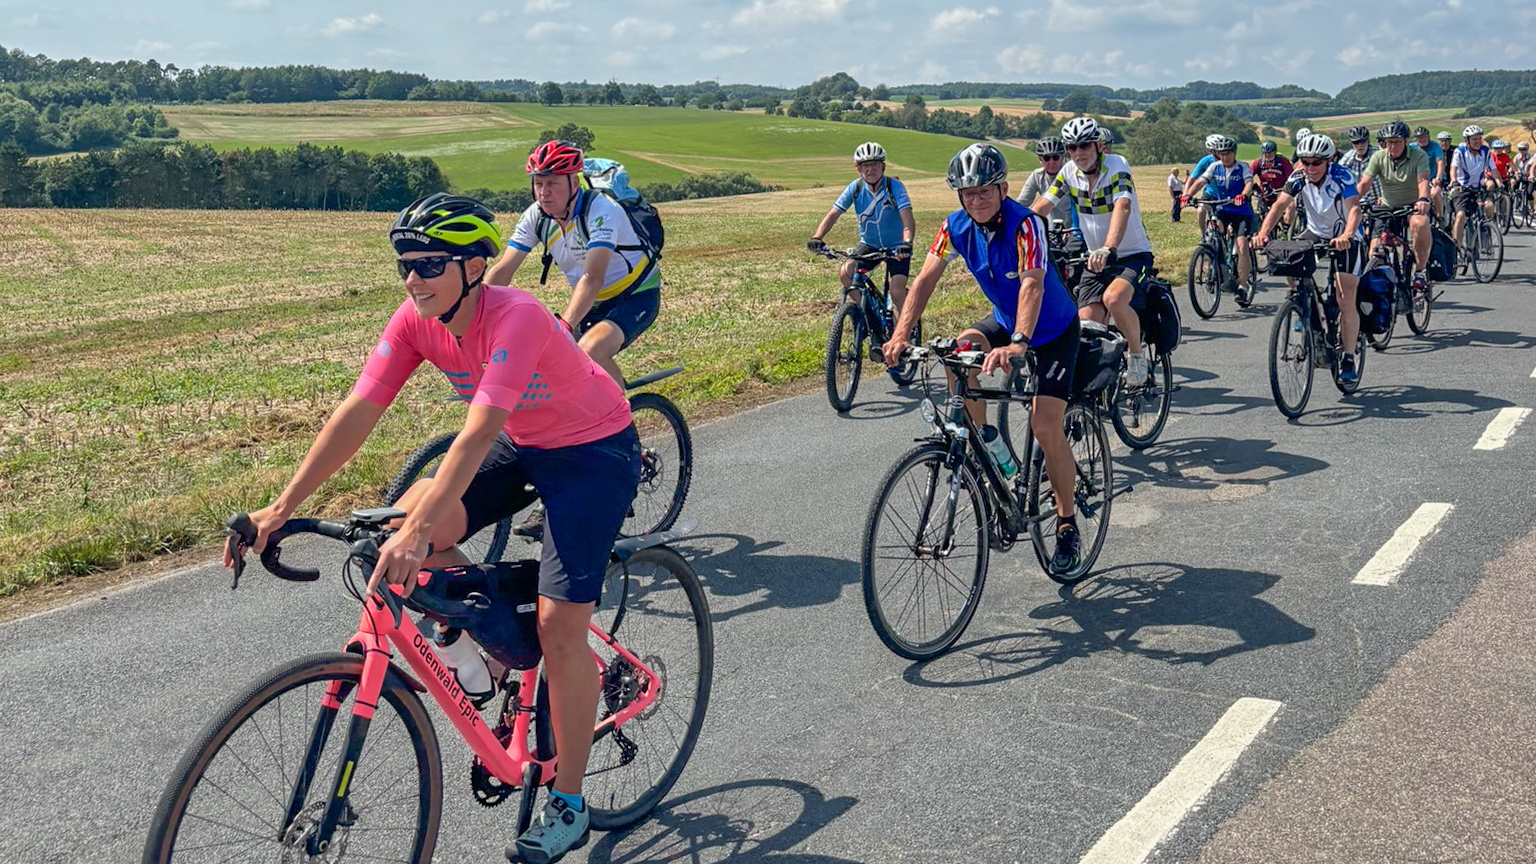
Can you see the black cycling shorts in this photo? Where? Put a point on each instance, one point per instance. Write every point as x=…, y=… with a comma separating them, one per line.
x=632, y=312
x=1240, y=223
x=1054, y=361
x=1091, y=287
x=587, y=490
x=893, y=266
x=1464, y=201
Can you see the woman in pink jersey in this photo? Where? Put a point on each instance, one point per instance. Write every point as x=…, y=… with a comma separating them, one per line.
x=541, y=412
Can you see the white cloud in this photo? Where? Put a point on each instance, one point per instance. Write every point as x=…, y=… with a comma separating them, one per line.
x=720, y=52
x=544, y=7
x=349, y=26
x=961, y=21
x=491, y=16
x=556, y=30
x=639, y=28
x=788, y=13
x=1021, y=60
x=622, y=59
x=27, y=20
x=145, y=47
x=1080, y=16
x=249, y=5
x=934, y=72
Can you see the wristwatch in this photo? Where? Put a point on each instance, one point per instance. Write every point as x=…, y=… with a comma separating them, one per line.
x=1020, y=339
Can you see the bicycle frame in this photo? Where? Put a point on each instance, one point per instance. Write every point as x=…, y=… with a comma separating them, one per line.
x=873, y=300
x=380, y=631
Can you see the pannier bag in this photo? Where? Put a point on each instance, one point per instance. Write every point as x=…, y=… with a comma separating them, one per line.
x=1160, y=322
x=1098, y=358
x=1290, y=257
x=1442, y=257
x=1374, y=299
x=497, y=604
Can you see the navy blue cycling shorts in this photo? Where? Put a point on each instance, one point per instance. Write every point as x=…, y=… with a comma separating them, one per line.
x=587, y=490
x=632, y=312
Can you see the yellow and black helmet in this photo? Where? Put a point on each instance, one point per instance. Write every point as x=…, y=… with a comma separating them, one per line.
x=446, y=223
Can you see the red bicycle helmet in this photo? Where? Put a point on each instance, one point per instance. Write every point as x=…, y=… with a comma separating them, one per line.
x=554, y=157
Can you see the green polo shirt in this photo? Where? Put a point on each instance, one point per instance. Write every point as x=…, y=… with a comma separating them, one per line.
x=1397, y=180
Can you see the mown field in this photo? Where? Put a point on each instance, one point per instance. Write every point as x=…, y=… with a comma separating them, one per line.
x=484, y=145
x=162, y=369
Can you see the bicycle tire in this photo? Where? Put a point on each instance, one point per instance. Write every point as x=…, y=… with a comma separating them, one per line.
x=1380, y=341
x=1338, y=359
x=655, y=586
x=1290, y=359
x=845, y=360
x=1205, y=279
x=665, y=441
x=888, y=618
x=229, y=728
x=490, y=543
x=1488, y=255
x=1156, y=393
x=1245, y=294
x=906, y=373
x=1420, y=308
x=1504, y=213
x=1093, y=493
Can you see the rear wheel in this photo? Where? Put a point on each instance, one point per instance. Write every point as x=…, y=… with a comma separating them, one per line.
x=1488, y=254
x=1247, y=289
x=1338, y=360
x=666, y=464
x=1420, y=306
x=1140, y=413
x=258, y=783
x=1092, y=495
x=1290, y=359
x=654, y=606
x=1204, y=281
x=925, y=553
x=1504, y=212
x=490, y=543
x=845, y=356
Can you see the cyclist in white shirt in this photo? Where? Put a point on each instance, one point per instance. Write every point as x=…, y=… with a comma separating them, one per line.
x=1471, y=167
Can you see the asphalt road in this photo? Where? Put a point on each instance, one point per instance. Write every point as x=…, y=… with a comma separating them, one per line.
x=1402, y=723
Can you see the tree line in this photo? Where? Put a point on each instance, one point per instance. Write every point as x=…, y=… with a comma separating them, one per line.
x=198, y=176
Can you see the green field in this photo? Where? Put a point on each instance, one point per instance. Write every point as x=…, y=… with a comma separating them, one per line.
x=484, y=145
x=168, y=368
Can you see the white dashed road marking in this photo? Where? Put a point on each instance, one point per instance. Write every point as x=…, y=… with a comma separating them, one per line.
x=1133, y=838
x=1498, y=432
x=1388, y=562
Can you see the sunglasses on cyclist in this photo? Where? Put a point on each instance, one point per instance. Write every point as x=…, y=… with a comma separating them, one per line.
x=426, y=268
x=1089, y=145
x=1053, y=157
x=1313, y=163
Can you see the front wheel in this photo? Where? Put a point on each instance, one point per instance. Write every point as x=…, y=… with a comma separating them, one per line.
x=926, y=546
x=666, y=464
x=486, y=546
x=1487, y=254
x=1504, y=213
x=654, y=606
x=1140, y=413
x=1420, y=306
x=1204, y=281
x=845, y=356
x=1338, y=359
x=1290, y=359
x=257, y=784
x=1092, y=495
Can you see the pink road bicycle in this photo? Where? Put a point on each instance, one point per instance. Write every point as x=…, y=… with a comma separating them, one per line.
x=276, y=777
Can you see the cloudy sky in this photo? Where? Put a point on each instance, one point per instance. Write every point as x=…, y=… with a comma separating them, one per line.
x=1143, y=43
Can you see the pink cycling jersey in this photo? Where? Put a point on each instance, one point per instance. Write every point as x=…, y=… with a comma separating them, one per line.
x=516, y=357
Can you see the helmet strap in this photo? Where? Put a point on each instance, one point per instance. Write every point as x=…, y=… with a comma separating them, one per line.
x=464, y=279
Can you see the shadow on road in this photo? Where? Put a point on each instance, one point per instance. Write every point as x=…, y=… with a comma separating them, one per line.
x=730, y=822
x=1205, y=463
x=1401, y=402
x=741, y=567
x=1191, y=334
x=1131, y=609
x=1439, y=340
x=1187, y=395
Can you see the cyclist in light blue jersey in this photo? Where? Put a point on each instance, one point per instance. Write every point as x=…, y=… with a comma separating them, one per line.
x=1436, y=156
x=885, y=218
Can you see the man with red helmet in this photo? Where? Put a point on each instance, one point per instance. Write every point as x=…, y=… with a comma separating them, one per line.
x=590, y=238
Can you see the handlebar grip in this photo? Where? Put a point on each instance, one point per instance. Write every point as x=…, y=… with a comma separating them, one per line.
x=271, y=556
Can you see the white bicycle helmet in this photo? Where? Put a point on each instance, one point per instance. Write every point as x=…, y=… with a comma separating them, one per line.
x=977, y=165
x=1316, y=147
x=1211, y=141
x=1219, y=143
x=1474, y=129
x=869, y=151
x=1522, y=146
x=1080, y=130
x=1500, y=144
x=1302, y=133
x=1106, y=136
x=1444, y=136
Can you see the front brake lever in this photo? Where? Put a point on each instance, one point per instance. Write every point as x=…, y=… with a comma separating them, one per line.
x=241, y=534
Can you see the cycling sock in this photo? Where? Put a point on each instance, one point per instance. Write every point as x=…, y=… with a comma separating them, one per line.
x=577, y=802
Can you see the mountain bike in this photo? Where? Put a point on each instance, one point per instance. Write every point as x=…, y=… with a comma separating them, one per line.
x=1137, y=412
x=1481, y=245
x=866, y=313
x=333, y=757
x=1394, y=251
x=1306, y=334
x=946, y=504
x=1525, y=213
x=1503, y=209
x=1213, y=265
x=666, y=470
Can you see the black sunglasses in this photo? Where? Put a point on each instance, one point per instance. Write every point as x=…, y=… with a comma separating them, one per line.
x=426, y=268
x=1313, y=163
x=1081, y=146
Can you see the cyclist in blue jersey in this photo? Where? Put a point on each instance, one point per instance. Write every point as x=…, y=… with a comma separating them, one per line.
x=1199, y=170
x=1231, y=177
x=1004, y=245
x=1436, y=156
x=885, y=218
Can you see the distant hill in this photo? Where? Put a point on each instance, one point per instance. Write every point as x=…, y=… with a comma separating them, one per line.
x=1486, y=92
